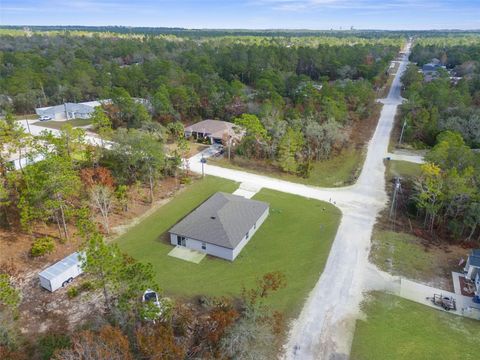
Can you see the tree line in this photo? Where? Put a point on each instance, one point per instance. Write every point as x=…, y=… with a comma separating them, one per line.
x=443, y=116
x=184, y=79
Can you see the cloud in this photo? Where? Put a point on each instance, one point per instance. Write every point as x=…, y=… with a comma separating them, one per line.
x=370, y=5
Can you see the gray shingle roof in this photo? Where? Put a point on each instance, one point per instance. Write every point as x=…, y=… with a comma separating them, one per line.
x=222, y=220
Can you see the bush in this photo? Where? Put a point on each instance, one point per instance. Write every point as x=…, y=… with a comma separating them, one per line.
x=42, y=246
x=86, y=286
x=185, y=180
x=72, y=292
x=51, y=343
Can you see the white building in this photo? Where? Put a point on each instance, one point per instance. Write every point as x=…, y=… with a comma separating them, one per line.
x=61, y=273
x=69, y=111
x=472, y=272
x=221, y=226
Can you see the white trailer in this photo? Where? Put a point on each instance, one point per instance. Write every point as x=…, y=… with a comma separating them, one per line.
x=61, y=273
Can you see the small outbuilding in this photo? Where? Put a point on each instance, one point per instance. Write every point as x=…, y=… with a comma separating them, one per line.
x=215, y=131
x=472, y=272
x=221, y=226
x=61, y=273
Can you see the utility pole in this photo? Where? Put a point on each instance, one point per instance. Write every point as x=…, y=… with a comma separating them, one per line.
x=394, y=198
x=203, y=161
x=403, y=129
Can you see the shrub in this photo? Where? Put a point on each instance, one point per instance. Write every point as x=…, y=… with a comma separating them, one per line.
x=86, y=286
x=185, y=180
x=48, y=344
x=42, y=246
x=72, y=292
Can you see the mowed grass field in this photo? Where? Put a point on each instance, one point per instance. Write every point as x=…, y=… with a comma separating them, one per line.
x=398, y=329
x=57, y=125
x=295, y=239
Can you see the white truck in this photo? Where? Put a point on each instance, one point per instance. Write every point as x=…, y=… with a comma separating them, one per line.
x=61, y=273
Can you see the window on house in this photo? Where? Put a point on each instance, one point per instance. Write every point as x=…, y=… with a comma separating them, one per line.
x=247, y=234
x=254, y=226
x=204, y=246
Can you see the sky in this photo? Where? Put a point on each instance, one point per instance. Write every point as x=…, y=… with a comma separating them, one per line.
x=247, y=14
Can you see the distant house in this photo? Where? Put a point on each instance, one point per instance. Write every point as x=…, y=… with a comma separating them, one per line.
x=430, y=70
x=472, y=272
x=68, y=111
x=214, y=131
x=221, y=226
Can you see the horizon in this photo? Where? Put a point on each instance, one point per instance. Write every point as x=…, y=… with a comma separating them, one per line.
x=79, y=26
x=314, y=15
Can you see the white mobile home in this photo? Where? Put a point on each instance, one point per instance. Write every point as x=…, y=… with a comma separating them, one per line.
x=61, y=273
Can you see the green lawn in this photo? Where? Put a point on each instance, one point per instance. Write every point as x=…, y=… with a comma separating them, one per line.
x=340, y=170
x=295, y=239
x=402, y=254
x=404, y=169
x=400, y=329
x=59, y=124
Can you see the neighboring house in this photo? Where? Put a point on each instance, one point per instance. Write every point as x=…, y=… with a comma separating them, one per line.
x=68, y=111
x=430, y=70
x=215, y=131
x=472, y=272
x=221, y=226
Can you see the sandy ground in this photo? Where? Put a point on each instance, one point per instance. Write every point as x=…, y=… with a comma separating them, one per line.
x=324, y=329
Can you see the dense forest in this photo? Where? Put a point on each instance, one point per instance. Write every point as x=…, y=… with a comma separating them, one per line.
x=443, y=116
x=306, y=92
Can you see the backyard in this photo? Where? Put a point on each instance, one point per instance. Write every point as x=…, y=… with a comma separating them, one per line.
x=295, y=239
x=400, y=329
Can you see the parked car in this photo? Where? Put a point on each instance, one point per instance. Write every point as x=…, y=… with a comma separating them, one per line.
x=151, y=296
x=45, y=118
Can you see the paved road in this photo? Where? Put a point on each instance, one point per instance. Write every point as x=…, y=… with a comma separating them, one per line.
x=35, y=130
x=324, y=329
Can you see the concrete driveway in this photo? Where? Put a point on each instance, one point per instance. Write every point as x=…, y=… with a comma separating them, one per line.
x=324, y=329
x=36, y=130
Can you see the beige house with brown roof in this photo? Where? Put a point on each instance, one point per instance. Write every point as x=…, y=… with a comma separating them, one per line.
x=214, y=130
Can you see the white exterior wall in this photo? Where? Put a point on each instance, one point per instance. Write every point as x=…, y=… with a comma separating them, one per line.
x=57, y=282
x=212, y=249
x=220, y=251
x=251, y=232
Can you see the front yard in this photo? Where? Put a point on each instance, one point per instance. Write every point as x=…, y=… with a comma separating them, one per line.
x=295, y=239
x=57, y=125
x=400, y=329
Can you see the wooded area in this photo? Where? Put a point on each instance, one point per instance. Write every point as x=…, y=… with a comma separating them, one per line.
x=443, y=116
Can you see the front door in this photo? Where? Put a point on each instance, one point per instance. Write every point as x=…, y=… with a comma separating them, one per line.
x=181, y=241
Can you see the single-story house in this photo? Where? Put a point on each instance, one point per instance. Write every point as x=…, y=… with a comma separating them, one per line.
x=221, y=226
x=214, y=130
x=472, y=271
x=68, y=111
x=430, y=70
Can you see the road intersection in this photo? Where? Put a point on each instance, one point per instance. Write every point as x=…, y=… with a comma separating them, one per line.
x=324, y=329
